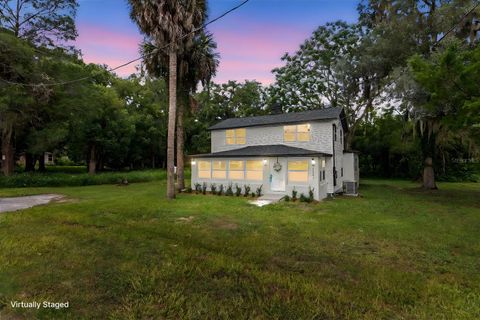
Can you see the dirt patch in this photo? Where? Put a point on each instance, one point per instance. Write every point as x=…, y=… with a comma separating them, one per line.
x=224, y=224
x=185, y=219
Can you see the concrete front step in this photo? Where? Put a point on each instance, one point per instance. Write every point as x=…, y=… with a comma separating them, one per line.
x=267, y=199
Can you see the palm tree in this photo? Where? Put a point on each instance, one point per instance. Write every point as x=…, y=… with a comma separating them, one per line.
x=200, y=65
x=169, y=22
x=196, y=65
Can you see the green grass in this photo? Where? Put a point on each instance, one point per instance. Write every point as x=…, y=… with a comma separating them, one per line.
x=71, y=176
x=115, y=252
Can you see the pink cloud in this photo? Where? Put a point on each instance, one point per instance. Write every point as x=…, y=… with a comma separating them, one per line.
x=253, y=52
x=105, y=46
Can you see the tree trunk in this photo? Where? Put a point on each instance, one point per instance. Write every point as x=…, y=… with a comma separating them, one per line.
x=429, y=175
x=8, y=153
x=92, y=162
x=29, y=162
x=172, y=108
x=41, y=162
x=180, y=147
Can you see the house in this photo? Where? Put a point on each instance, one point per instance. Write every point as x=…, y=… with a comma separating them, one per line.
x=281, y=152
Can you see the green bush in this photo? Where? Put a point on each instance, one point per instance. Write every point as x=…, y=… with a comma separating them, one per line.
x=238, y=190
x=247, y=190
x=259, y=191
x=229, y=191
x=220, y=190
x=294, y=194
x=20, y=180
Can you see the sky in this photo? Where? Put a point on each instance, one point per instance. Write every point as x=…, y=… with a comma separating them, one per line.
x=251, y=40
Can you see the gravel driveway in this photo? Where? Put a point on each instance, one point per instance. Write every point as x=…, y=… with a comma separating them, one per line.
x=19, y=203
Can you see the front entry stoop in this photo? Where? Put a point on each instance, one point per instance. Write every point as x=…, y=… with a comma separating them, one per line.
x=267, y=199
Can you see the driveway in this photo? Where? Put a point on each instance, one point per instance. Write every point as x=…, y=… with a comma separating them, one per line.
x=19, y=203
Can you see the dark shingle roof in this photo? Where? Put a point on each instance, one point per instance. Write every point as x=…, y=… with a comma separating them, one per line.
x=274, y=150
x=311, y=115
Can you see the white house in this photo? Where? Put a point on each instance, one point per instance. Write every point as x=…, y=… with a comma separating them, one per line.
x=281, y=152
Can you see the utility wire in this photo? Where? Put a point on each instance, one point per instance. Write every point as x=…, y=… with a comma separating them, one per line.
x=136, y=59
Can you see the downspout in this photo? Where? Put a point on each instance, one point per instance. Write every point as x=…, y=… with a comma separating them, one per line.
x=334, y=129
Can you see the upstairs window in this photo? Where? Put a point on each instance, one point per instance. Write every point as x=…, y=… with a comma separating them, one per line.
x=296, y=133
x=236, y=136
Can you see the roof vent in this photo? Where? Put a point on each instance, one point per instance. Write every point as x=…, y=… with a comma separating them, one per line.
x=276, y=108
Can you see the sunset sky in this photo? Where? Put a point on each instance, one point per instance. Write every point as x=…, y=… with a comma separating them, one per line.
x=250, y=40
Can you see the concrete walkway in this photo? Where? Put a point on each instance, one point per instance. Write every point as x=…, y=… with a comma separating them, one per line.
x=267, y=199
x=19, y=203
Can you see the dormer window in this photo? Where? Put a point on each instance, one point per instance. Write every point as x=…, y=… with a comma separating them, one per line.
x=236, y=136
x=296, y=133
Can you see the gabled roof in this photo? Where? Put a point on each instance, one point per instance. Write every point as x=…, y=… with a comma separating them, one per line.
x=283, y=118
x=273, y=150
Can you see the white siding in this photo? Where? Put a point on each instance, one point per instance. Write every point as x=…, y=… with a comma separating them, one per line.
x=320, y=137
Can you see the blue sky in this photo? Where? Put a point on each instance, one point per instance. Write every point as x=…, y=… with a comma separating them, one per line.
x=250, y=40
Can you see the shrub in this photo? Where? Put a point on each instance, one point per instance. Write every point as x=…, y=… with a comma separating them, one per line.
x=310, y=194
x=238, y=190
x=229, y=191
x=247, y=190
x=198, y=188
x=76, y=179
x=253, y=195
x=259, y=191
x=204, y=188
x=294, y=194
x=286, y=198
x=189, y=190
x=220, y=190
x=303, y=198
x=213, y=188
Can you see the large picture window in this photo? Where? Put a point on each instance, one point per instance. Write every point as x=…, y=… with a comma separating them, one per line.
x=219, y=169
x=294, y=133
x=298, y=171
x=204, y=169
x=254, y=170
x=236, y=136
x=236, y=170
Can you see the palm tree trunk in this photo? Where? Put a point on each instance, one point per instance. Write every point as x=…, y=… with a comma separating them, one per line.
x=180, y=147
x=172, y=108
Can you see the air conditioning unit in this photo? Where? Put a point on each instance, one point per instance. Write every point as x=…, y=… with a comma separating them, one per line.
x=350, y=188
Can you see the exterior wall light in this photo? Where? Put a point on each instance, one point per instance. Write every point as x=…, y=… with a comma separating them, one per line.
x=313, y=162
x=194, y=162
x=264, y=162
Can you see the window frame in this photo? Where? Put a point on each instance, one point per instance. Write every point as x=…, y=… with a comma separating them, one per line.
x=306, y=171
x=235, y=136
x=247, y=170
x=219, y=170
x=237, y=171
x=209, y=170
x=296, y=133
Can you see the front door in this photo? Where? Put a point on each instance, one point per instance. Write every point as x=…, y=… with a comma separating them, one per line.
x=278, y=174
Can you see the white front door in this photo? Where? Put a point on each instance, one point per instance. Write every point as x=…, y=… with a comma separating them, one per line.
x=278, y=172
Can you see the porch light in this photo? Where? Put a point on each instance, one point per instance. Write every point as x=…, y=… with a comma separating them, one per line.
x=194, y=162
x=313, y=162
x=264, y=162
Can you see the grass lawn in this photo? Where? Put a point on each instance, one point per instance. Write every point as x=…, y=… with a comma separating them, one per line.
x=116, y=252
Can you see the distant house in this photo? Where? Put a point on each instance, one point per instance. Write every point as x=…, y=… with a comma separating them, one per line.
x=49, y=159
x=281, y=152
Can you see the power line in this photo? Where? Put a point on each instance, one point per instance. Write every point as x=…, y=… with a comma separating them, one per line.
x=136, y=59
x=456, y=25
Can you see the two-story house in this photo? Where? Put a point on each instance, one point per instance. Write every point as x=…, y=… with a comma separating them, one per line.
x=281, y=152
